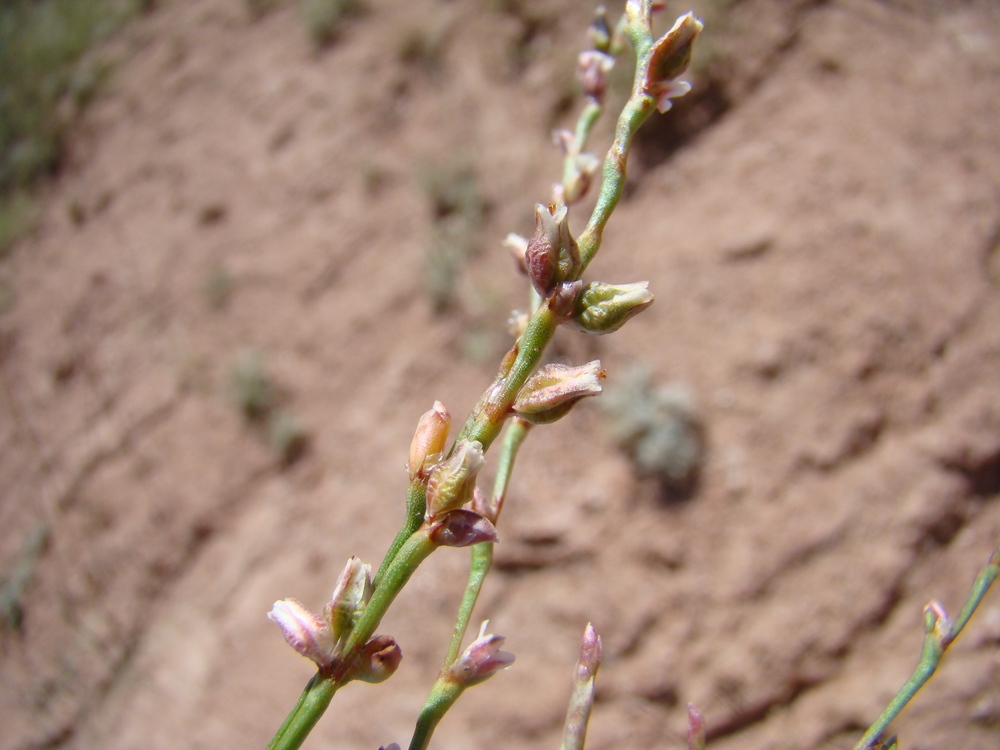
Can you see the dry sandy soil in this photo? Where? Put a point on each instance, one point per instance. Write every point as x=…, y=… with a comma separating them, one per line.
x=820, y=222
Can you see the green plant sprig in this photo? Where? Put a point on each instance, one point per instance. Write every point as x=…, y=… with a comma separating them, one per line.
x=940, y=633
x=416, y=539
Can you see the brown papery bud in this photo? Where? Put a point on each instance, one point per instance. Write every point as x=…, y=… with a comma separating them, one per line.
x=542, y=254
x=428, y=441
x=461, y=528
x=378, y=661
x=669, y=59
x=554, y=389
x=452, y=482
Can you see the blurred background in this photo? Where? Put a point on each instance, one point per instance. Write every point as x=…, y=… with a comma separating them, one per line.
x=244, y=244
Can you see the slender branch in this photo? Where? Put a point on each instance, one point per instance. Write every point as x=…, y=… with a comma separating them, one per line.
x=940, y=633
x=416, y=505
x=442, y=697
x=482, y=554
x=311, y=705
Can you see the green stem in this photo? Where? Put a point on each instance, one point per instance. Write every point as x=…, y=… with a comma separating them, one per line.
x=312, y=703
x=634, y=114
x=482, y=554
x=414, y=551
x=935, y=644
x=482, y=559
x=442, y=697
x=416, y=506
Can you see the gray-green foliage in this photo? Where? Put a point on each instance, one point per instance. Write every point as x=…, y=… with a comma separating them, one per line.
x=658, y=426
x=250, y=387
x=14, y=582
x=253, y=391
x=323, y=18
x=43, y=67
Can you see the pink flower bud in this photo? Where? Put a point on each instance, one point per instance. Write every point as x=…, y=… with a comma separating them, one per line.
x=480, y=660
x=378, y=661
x=582, y=697
x=696, y=729
x=353, y=590
x=670, y=57
x=460, y=528
x=604, y=308
x=592, y=69
x=517, y=245
x=562, y=302
x=542, y=254
x=552, y=254
x=305, y=631
x=428, y=441
x=553, y=390
x=453, y=481
x=591, y=653
x=936, y=621
x=579, y=177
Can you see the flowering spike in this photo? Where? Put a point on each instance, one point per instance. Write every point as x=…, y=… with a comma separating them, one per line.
x=453, y=481
x=553, y=390
x=696, y=729
x=428, y=441
x=305, y=631
x=592, y=68
x=480, y=661
x=461, y=528
x=670, y=57
x=353, y=590
x=604, y=308
x=378, y=660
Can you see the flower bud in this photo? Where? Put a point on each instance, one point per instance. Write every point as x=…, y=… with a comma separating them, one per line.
x=481, y=660
x=453, y=481
x=542, y=254
x=592, y=69
x=517, y=245
x=603, y=308
x=552, y=254
x=581, y=700
x=553, y=390
x=353, y=590
x=305, y=631
x=670, y=57
x=428, y=441
x=378, y=660
x=579, y=176
x=599, y=31
x=936, y=620
x=696, y=729
x=461, y=528
x=562, y=302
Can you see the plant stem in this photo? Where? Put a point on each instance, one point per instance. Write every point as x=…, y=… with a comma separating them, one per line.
x=416, y=506
x=482, y=554
x=936, y=642
x=414, y=551
x=443, y=696
x=312, y=703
